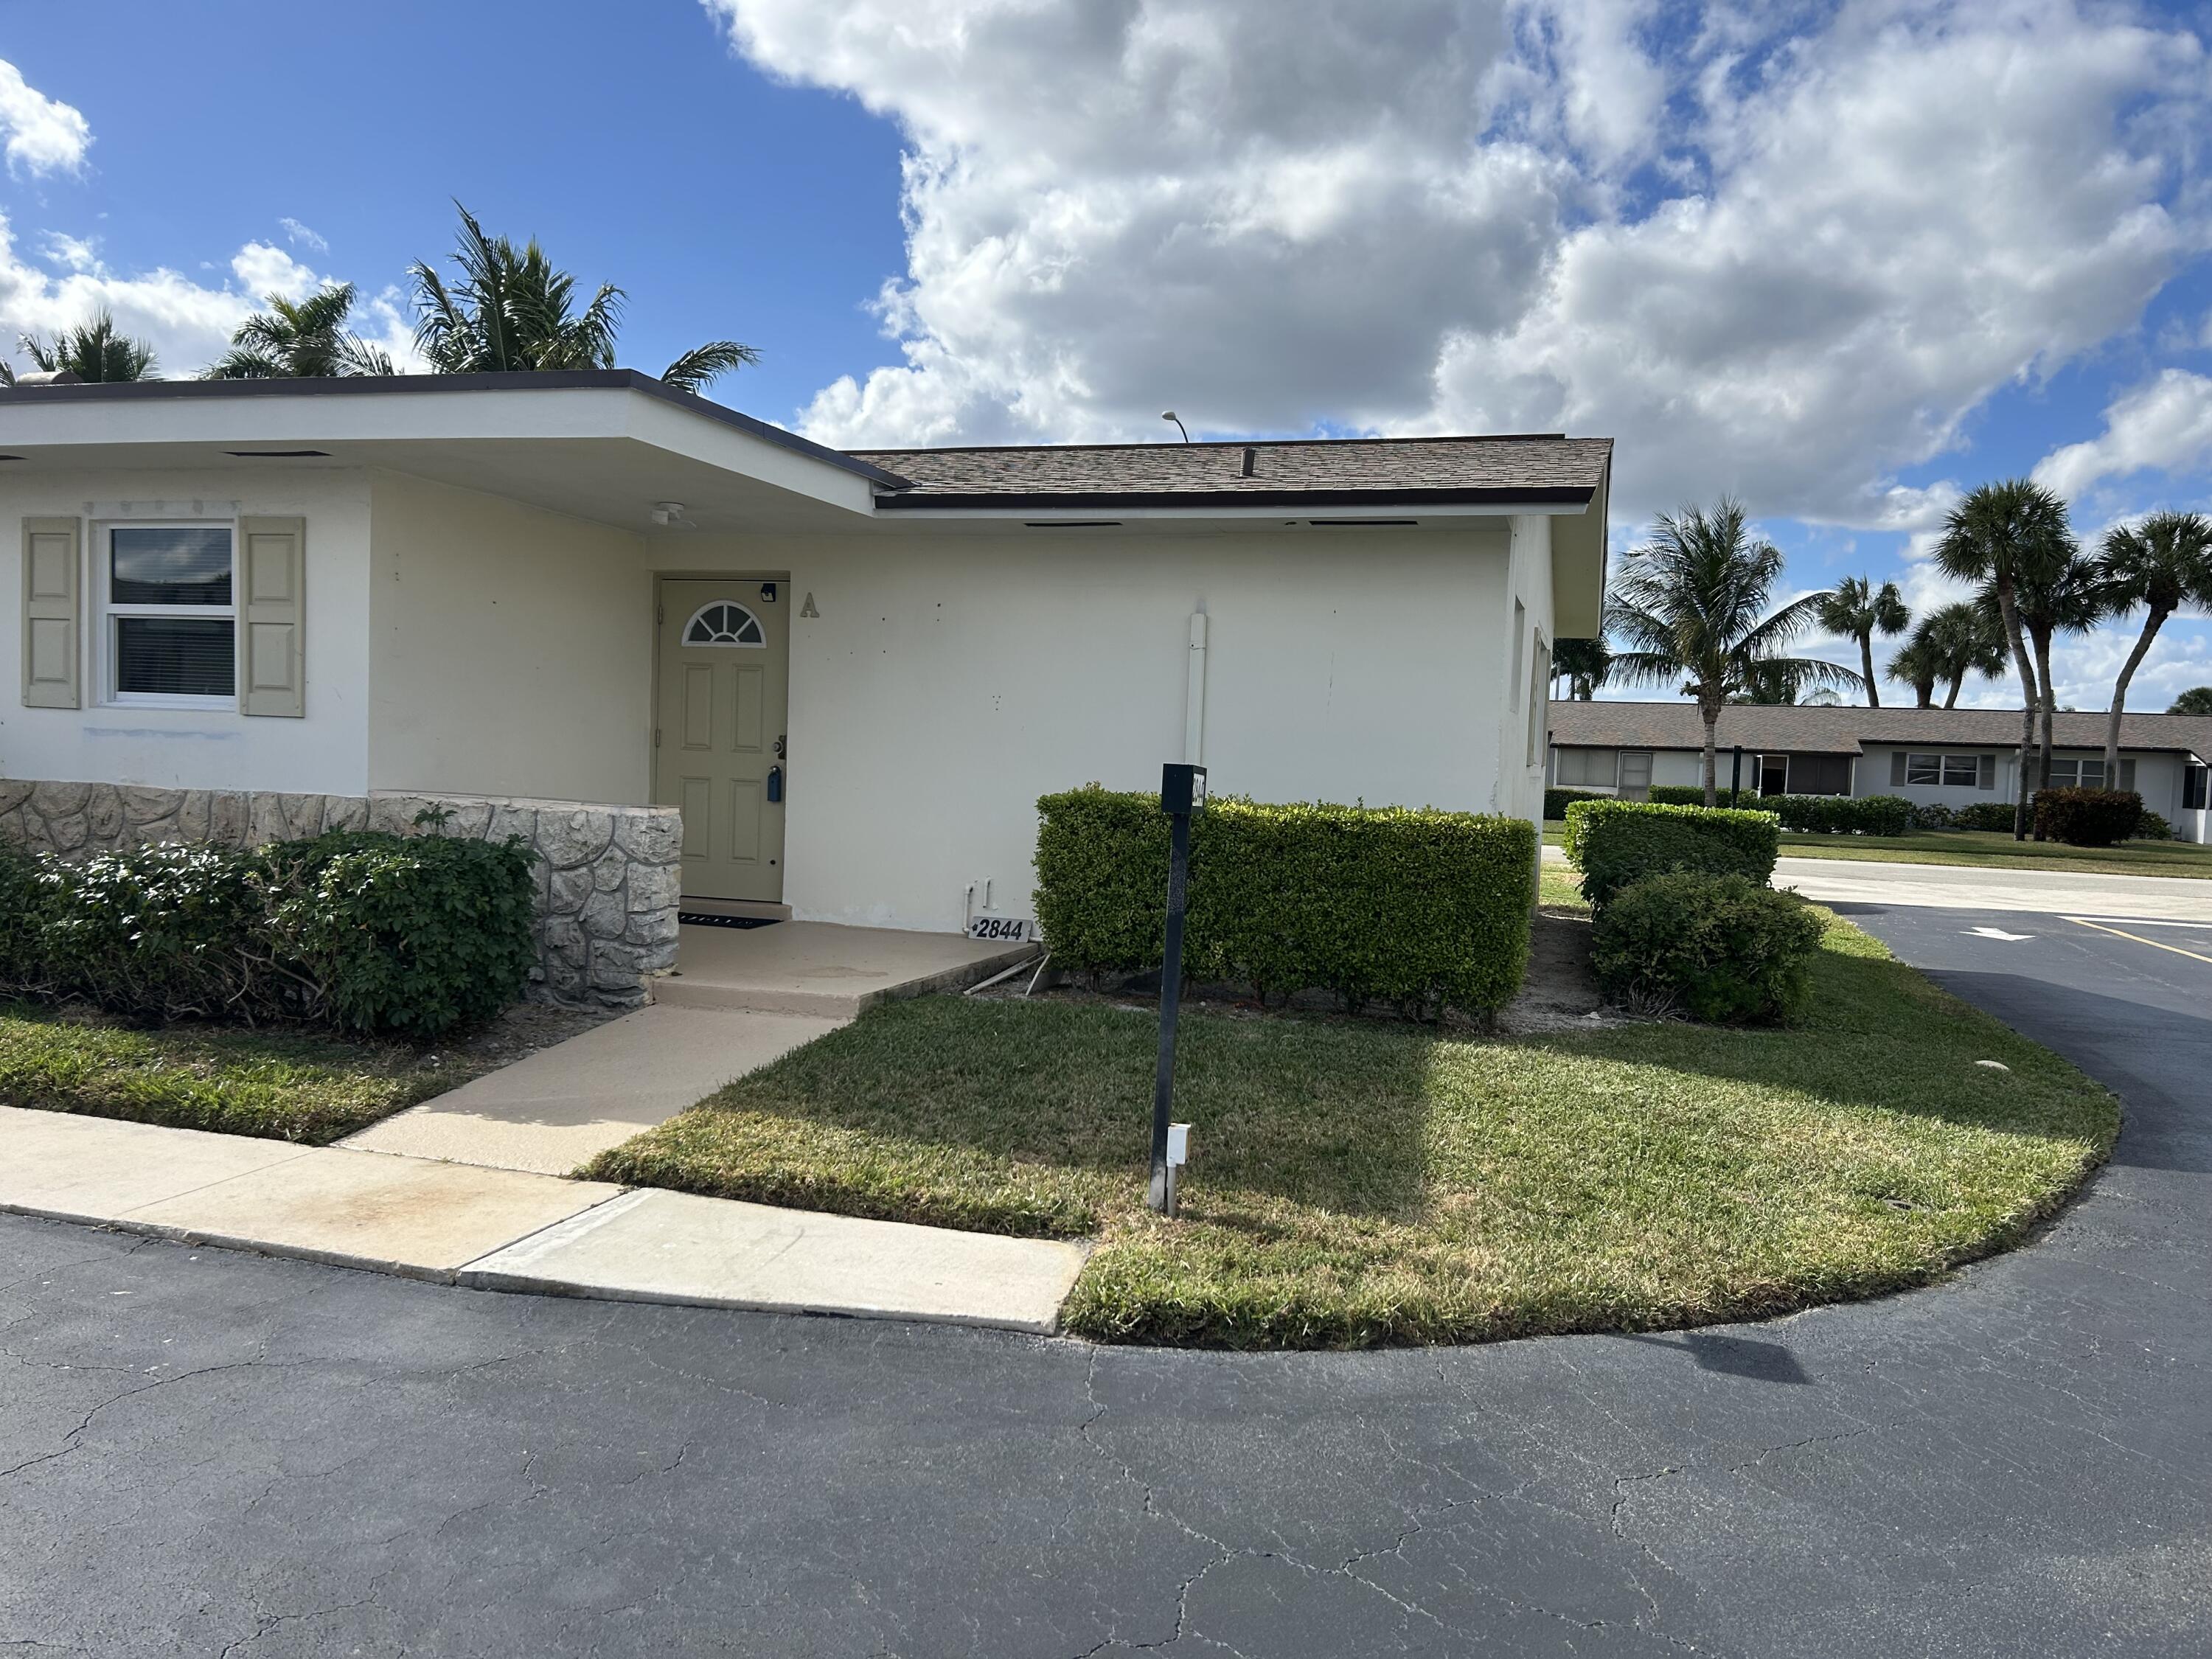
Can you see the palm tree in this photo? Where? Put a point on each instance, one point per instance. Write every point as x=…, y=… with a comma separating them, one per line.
x=2161, y=564
x=300, y=339
x=513, y=310
x=1916, y=664
x=1691, y=603
x=2067, y=596
x=1961, y=638
x=2197, y=700
x=1584, y=662
x=1997, y=535
x=1858, y=610
x=91, y=351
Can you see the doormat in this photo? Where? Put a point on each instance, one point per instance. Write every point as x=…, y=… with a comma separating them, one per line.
x=708, y=919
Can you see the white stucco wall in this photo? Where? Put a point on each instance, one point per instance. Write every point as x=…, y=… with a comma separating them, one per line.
x=511, y=648
x=324, y=753
x=948, y=681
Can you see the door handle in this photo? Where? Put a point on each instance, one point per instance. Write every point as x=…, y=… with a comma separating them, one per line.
x=780, y=746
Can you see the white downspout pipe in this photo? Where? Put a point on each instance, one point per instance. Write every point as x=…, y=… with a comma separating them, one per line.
x=1193, y=708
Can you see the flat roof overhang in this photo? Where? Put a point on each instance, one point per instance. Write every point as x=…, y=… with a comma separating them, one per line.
x=602, y=445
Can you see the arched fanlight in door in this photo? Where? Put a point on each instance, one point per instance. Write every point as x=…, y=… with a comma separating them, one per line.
x=724, y=621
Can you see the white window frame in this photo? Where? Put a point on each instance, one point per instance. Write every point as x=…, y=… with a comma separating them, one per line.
x=1914, y=761
x=105, y=611
x=1973, y=767
x=684, y=641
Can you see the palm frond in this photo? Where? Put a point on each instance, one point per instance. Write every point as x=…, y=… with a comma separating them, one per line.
x=703, y=363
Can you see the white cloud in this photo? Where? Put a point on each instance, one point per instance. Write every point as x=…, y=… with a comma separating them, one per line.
x=2164, y=426
x=71, y=253
x=42, y=136
x=301, y=236
x=1443, y=214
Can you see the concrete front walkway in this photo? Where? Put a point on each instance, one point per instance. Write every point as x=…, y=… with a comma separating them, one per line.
x=459, y=1223
x=556, y=1109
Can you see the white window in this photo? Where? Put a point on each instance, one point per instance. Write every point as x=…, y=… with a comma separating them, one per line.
x=169, y=620
x=1586, y=769
x=724, y=621
x=2088, y=773
x=1947, y=771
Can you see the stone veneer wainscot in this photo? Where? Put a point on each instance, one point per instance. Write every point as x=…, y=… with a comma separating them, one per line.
x=608, y=879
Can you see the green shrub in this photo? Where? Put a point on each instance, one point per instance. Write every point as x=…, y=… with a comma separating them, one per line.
x=1420, y=908
x=157, y=932
x=1985, y=815
x=370, y=932
x=2087, y=817
x=1614, y=843
x=1694, y=794
x=2152, y=827
x=1724, y=948
x=1933, y=815
x=413, y=934
x=1842, y=814
x=1556, y=801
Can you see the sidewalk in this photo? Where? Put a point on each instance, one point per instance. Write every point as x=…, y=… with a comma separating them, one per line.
x=508, y=1229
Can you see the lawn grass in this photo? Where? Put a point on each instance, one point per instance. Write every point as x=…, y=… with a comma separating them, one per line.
x=1363, y=1182
x=281, y=1085
x=1990, y=850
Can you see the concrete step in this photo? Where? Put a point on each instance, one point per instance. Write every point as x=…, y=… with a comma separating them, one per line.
x=823, y=970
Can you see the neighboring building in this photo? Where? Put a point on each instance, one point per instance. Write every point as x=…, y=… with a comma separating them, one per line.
x=1951, y=756
x=853, y=674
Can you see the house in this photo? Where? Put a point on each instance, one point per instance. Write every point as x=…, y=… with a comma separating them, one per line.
x=696, y=659
x=1948, y=757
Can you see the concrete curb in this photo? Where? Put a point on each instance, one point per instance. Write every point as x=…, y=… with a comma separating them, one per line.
x=632, y=1244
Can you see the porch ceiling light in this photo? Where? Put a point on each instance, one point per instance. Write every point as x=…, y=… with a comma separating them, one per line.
x=669, y=515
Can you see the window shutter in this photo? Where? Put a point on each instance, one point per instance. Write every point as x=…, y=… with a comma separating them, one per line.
x=2127, y=775
x=1985, y=775
x=1896, y=767
x=53, y=583
x=272, y=616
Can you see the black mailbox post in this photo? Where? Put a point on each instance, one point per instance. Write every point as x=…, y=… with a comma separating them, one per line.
x=1183, y=793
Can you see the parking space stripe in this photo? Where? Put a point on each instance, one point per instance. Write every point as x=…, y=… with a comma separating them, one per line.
x=2155, y=944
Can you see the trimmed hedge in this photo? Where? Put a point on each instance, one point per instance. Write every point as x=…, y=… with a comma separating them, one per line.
x=1986, y=815
x=1615, y=842
x=1422, y=909
x=1556, y=801
x=1694, y=794
x=367, y=932
x=1842, y=814
x=2152, y=827
x=2089, y=818
x=1724, y=949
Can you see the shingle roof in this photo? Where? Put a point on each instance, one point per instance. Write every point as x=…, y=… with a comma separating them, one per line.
x=1817, y=730
x=1300, y=472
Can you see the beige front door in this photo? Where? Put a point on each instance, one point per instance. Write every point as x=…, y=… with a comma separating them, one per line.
x=719, y=731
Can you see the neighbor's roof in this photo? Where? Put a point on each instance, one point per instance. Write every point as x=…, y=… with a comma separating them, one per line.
x=1816, y=731
x=1538, y=467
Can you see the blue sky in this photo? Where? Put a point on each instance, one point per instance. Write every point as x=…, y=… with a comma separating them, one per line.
x=1845, y=258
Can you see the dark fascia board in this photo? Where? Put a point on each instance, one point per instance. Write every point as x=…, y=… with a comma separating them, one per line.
x=370, y=386
x=1296, y=500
